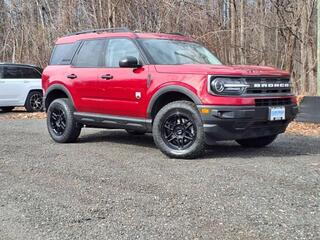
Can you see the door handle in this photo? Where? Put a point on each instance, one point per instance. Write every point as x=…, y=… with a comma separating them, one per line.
x=72, y=76
x=2, y=81
x=26, y=81
x=107, y=77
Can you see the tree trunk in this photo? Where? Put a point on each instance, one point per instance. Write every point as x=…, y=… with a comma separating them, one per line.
x=242, y=32
x=233, y=19
x=303, y=49
x=262, y=9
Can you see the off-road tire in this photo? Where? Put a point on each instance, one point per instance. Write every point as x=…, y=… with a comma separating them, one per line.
x=72, y=129
x=188, y=111
x=34, y=101
x=257, y=142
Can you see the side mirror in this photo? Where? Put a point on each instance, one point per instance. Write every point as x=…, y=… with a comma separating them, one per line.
x=129, y=62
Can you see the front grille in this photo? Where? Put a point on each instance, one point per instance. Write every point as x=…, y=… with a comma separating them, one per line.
x=267, y=86
x=254, y=91
x=273, y=102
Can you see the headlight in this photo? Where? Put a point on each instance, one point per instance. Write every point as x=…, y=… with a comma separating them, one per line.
x=227, y=86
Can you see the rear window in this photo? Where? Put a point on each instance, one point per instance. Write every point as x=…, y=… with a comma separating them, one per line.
x=17, y=72
x=62, y=53
x=91, y=54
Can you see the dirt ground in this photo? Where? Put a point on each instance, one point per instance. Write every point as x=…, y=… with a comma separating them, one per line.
x=307, y=129
x=20, y=113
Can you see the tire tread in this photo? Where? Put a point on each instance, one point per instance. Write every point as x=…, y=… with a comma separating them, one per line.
x=73, y=130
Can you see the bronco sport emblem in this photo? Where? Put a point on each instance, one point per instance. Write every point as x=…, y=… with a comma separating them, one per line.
x=271, y=85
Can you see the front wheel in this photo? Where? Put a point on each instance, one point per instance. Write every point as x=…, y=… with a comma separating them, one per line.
x=257, y=142
x=61, y=124
x=178, y=130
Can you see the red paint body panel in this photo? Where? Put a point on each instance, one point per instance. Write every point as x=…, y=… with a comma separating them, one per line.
x=117, y=96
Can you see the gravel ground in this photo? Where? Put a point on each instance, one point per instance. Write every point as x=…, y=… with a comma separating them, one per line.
x=111, y=185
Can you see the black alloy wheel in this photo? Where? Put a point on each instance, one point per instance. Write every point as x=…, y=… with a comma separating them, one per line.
x=178, y=131
x=58, y=121
x=61, y=124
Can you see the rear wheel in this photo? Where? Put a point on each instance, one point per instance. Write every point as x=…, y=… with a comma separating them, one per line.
x=257, y=142
x=178, y=130
x=61, y=124
x=34, y=102
x=6, y=109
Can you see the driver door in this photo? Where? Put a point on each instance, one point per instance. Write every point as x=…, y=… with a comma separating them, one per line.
x=122, y=90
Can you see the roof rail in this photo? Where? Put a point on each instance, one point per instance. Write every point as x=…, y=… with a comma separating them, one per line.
x=121, y=29
x=19, y=64
x=175, y=33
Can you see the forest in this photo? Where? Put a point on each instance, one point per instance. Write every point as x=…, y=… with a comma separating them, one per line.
x=279, y=33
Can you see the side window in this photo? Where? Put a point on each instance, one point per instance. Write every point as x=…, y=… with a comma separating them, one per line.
x=62, y=53
x=118, y=49
x=12, y=72
x=1, y=72
x=30, y=73
x=91, y=54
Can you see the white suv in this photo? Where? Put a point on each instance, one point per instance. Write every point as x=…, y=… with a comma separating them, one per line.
x=20, y=85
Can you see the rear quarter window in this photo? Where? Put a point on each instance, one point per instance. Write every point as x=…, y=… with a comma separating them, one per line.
x=91, y=54
x=62, y=54
x=30, y=73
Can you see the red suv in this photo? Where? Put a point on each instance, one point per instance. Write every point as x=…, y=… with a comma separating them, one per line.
x=167, y=84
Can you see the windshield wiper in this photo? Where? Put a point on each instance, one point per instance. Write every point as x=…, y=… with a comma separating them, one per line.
x=205, y=57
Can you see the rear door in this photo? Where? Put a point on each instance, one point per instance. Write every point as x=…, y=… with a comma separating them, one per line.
x=31, y=79
x=86, y=67
x=12, y=86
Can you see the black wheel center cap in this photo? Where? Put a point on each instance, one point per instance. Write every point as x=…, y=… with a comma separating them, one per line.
x=179, y=130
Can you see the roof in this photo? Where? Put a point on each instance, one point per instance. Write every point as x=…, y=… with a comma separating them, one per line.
x=18, y=64
x=122, y=32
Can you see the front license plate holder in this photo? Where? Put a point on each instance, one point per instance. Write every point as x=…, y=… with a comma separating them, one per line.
x=277, y=113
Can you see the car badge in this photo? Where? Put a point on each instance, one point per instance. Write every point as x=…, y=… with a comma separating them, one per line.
x=138, y=95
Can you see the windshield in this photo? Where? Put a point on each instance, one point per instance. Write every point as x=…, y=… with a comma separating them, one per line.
x=171, y=52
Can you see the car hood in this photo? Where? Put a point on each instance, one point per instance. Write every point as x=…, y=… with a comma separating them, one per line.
x=233, y=70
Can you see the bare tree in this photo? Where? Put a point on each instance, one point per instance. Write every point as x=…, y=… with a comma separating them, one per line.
x=242, y=31
x=281, y=33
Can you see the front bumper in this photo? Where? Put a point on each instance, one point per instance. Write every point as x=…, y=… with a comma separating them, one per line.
x=242, y=122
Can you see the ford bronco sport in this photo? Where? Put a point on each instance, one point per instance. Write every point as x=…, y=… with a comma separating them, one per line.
x=167, y=84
